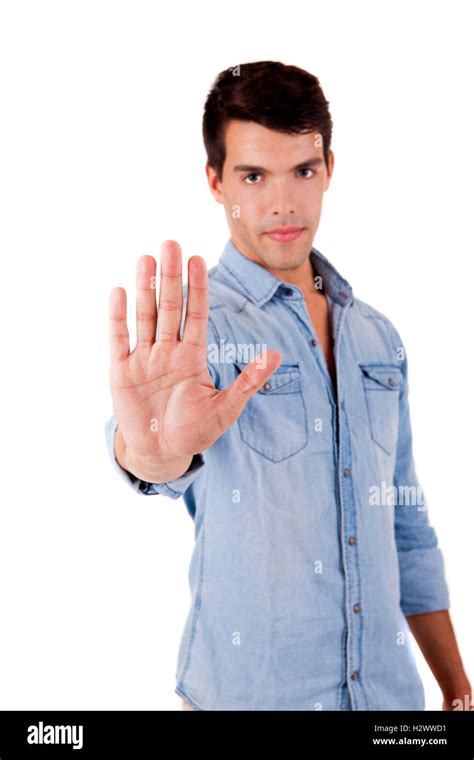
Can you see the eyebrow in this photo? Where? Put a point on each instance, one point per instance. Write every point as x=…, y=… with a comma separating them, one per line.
x=250, y=168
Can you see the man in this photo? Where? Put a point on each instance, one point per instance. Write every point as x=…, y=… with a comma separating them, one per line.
x=314, y=555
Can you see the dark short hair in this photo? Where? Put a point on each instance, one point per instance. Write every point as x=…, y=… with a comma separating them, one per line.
x=277, y=96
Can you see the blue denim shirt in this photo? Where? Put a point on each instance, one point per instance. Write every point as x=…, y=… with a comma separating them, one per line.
x=312, y=535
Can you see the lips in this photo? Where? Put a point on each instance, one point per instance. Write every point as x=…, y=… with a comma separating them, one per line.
x=285, y=234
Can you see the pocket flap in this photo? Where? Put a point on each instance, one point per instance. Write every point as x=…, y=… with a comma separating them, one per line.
x=281, y=377
x=386, y=376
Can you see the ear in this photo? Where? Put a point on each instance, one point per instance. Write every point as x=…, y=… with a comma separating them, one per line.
x=330, y=169
x=214, y=185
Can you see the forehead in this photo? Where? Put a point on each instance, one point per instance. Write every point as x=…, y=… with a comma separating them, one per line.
x=248, y=142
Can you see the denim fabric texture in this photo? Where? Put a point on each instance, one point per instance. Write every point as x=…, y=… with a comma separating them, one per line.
x=312, y=536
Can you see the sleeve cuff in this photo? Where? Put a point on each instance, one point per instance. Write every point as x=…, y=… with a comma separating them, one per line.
x=422, y=581
x=175, y=488
x=172, y=488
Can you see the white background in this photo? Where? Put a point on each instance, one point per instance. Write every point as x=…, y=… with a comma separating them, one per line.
x=101, y=160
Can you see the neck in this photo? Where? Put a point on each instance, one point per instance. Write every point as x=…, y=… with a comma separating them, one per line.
x=303, y=277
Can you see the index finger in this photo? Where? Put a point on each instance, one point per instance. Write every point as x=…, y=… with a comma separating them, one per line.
x=197, y=303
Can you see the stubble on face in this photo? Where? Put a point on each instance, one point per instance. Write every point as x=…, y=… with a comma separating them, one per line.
x=279, y=196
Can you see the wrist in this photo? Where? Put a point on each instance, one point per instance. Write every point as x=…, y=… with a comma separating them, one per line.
x=156, y=469
x=455, y=684
x=458, y=697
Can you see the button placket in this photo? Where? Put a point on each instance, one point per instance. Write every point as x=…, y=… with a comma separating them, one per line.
x=350, y=555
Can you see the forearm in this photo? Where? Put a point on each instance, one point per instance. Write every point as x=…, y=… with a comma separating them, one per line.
x=434, y=634
x=160, y=470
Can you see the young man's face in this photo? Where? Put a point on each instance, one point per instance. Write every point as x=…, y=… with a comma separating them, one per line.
x=271, y=179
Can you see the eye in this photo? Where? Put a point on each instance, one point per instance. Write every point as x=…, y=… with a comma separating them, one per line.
x=307, y=169
x=254, y=174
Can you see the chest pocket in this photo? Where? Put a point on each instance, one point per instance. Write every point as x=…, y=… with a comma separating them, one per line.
x=274, y=422
x=382, y=390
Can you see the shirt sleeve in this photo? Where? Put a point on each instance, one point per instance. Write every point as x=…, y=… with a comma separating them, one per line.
x=423, y=582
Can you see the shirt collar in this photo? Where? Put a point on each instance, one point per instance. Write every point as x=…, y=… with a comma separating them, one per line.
x=259, y=285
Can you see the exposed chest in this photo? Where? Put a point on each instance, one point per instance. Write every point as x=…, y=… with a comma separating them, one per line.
x=318, y=310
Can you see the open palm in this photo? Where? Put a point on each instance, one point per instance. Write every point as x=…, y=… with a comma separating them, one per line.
x=164, y=400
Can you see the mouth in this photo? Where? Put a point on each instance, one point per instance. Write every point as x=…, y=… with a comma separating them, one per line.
x=285, y=234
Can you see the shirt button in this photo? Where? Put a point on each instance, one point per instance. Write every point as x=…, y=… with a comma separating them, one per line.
x=391, y=381
x=267, y=386
x=346, y=471
x=314, y=342
x=356, y=608
x=352, y=540
x=354, y=676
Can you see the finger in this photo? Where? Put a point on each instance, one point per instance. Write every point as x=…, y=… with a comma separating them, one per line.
x=170, y=305
x=197, y=307
x=118, y=330
x=146, y=301
x=233, y=399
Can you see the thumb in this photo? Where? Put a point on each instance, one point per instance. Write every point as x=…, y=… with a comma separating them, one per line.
x=233, y=399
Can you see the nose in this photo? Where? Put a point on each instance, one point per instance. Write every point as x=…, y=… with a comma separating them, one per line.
x=282, y=201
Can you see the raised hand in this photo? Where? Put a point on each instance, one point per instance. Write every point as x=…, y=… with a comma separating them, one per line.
x=165, y=403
